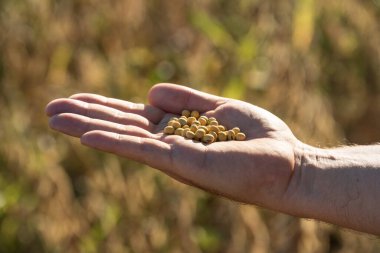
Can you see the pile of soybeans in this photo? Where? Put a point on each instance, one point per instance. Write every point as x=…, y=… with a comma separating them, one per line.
x=201, y=128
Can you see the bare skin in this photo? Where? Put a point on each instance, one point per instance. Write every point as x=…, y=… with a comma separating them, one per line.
x=271, y=168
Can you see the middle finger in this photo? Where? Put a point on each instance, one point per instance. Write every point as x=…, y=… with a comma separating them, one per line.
x=96, y=111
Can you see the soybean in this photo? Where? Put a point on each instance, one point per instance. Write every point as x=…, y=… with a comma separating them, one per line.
x=186, y=113
x=182, y=121
x=169, y=130
x=222, y=136
x=200, y=133
x=240, y=137
x=192, y=125
x=230, y=135
x=179, y=131
x=203, y=121
x=208, y=138
x=195, y=114
x=190, y=135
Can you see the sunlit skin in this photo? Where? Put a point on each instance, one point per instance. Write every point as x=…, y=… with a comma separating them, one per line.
x=269, y=169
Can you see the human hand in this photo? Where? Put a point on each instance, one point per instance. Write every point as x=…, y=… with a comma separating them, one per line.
x=255, y=171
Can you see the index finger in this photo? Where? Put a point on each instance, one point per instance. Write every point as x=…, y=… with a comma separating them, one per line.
x=151, y=113
x=175, y=98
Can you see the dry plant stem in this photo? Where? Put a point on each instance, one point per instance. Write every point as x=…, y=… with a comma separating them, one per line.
x=340, y=186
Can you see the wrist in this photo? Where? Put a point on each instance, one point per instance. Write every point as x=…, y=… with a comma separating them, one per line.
x=300, y=190
x=339, y=186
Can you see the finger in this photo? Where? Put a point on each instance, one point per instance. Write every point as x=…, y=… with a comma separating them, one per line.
x=96, y=111
x=174, y=98
x=77, y=125
x=149, y=151
x=150, y=112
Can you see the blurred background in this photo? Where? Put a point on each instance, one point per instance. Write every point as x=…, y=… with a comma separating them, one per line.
x=315, y=64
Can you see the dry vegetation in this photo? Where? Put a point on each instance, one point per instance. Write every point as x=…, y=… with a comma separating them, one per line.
x=313, y=63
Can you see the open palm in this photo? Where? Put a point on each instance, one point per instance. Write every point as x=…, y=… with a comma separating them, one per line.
x=256, y=171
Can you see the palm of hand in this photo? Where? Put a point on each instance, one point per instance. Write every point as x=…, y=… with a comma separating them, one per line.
x=253, y=171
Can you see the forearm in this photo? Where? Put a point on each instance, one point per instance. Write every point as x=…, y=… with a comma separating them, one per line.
x=339, y=186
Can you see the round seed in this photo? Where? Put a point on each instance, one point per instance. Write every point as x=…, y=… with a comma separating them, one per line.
x=182, y=121
x=204, y=117
x=230, y=135
x=213, y=123
x=192, y=125
x=200, y=133
x=176, y=124
x=190, y=120
x=211, y=119
x=195, y=114
x=185, y=130
x=203, y=121
x=169, y=130
x=186, y=113
x=204, y=128
x=222, y=136
x=213, y=134
x=193, y=128
x=170, y=123
x=240, y=136
x=221, y=128
x=236, y=130
x=196, y=122
x=208, y=138
x=189, y=135
x=214, y=128
x=179, y=131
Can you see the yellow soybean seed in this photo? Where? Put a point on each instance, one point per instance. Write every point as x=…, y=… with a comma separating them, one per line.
x=230, y=135
x=192, y=125
x=196, y=123
x=190, y=120
x=236, y=130
x=179, y=131
x=169, y=130
x=240, y=136
x=213, y=134
x=189, y=135
x=214, y=128
x=208, y=138
x=202, y=121
x=211, y=119
x=222, y=136
x=195, y=114
x=193, y=128
x=204, y=128
x=185, y=130
x=200, y=133
x=182, y=121
x=221, y=128
x=176, y=124
x=170, y=123
x=186, y=113
x=213, y=123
